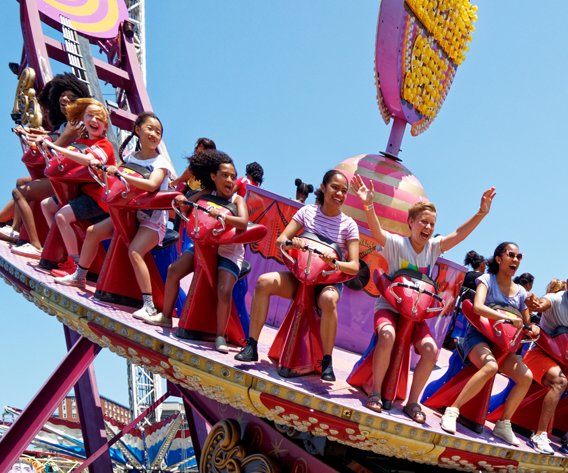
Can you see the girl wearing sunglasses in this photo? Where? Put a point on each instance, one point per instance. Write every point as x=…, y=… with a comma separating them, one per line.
x=496, y=287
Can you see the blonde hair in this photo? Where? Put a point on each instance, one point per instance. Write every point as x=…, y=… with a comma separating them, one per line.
x=419, y=207
x=75, y=110
x=555, y=285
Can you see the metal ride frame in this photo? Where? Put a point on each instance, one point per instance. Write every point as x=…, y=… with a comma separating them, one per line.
x=125, y=53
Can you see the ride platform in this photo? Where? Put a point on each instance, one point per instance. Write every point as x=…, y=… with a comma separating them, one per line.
x=334, y=411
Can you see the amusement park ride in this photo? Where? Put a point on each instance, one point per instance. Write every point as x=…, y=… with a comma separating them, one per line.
x=273, y=416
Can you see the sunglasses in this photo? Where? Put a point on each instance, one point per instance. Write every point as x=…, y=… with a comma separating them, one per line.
x=513, y=255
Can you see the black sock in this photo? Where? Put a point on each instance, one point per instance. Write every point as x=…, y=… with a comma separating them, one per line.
x=326, y=361
x=252, y=342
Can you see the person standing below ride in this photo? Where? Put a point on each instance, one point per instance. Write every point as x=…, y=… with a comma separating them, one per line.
x=192, y=184
x=254, y=175
x=478, y=265
x=217, y=174
x=546, y=371
x=497, y=287
x=419, y=251
x=148, y=129
x=88, y=205
x=303, y=190
x=57, y=94
x=325, y=219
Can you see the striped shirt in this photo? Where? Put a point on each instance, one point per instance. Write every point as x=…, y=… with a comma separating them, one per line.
x=339, y=229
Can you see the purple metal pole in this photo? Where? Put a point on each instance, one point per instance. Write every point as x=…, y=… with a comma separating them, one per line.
x=90, y=412
x=40, y=409
x=396, y=135
x=33, y=40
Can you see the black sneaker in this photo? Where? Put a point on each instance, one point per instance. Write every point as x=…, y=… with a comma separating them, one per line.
x=249, y=352
x=327, y=373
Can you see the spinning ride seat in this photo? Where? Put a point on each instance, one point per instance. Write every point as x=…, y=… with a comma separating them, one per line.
x=297, y=346
x=414, y=296
x=117, y=282
x=527, y=414
x=503, y=339
x=67, y=177
x=197, y=319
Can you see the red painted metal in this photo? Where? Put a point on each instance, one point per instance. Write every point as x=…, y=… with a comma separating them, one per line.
x=297, y=346
x=207, y=234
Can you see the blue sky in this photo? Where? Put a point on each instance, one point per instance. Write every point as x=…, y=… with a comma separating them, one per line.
x=290, y=85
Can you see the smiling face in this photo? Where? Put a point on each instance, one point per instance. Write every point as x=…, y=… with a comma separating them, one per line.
x=94, y=120
x=334, y=194
x=224, y=180
x=509, y=260
x=422, y=228
x=150, y=134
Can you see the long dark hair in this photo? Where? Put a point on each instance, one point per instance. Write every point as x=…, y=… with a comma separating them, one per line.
x=207, y=162
x=140, y=120
x=49, y=96
x=325, y=181
x=493, y=266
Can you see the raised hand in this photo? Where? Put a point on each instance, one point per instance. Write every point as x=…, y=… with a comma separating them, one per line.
x=486, y=200
x=361, y=190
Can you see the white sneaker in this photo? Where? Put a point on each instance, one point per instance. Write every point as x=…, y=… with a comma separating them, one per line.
x=541, y=443
x=448, y=420
x=221, y=345
x=8, y=233
x=143, y=313
x=159, y=319
x=504, y=431
x=28, y=250
x=71, y=280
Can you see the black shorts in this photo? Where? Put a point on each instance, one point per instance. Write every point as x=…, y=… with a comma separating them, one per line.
x=85, y=208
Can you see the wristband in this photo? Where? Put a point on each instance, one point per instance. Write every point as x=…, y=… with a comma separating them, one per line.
x=527, y=326
x=369, y=207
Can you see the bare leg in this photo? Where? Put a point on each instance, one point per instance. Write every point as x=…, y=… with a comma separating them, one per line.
x=281, y=284
x=514, y=367
x=557, y=382
x=49, y=208
x=225, y=283
x=428, y=351
x=143, y=242
x=382, y=355
x=327, y=302
x=482, y=357
x=64, y=218
x=176, y=272
x=95, y=234
x=7, y=213
x=33, y=191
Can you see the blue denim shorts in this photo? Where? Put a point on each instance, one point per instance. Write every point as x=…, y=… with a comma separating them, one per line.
x=472, y=337
x=223, y=263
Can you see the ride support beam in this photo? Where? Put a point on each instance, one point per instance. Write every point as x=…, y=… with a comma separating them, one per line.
x=90, y=412
x=36, y=52
x=104, y=448
x=42, y=406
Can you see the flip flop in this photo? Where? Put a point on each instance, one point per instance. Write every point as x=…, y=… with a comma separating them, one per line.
x=374, y=402
x=415, y=412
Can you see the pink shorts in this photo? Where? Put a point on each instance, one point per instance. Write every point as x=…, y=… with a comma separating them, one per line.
x=388, y=317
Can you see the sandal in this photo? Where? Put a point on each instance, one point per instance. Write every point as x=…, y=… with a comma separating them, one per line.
x=374, y=402
x=415, y=412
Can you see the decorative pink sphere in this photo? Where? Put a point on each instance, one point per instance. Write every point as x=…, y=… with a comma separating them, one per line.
x=396, y=190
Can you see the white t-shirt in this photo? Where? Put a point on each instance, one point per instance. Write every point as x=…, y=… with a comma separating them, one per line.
x=557, y=315
x=153, y=217
x=400, y=254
